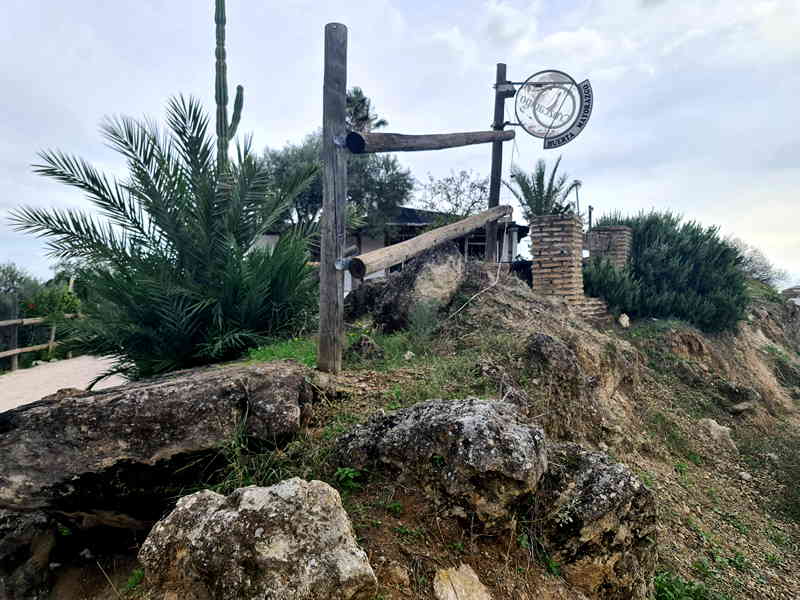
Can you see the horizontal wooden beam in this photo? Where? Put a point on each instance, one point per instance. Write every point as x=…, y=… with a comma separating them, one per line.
x=368, y=143
x=15, y=351
x=34, y=320
x=364, y=264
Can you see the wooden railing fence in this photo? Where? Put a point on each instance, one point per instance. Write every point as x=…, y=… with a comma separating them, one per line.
x=14, y=352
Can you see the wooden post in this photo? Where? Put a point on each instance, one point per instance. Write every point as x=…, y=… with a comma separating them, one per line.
x=500, y=95
x=14, y=336
x=52, y=343
x=367, y=143
x=371, y=262
x=334, y=198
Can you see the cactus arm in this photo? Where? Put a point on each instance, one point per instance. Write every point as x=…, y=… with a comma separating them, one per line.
x=237, y=112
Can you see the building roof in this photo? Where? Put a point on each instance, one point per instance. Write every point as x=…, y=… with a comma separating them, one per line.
x=417, y=217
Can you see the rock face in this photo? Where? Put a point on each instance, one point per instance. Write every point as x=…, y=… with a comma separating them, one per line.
x=426, y=283
x=477, y=454
x=600, y=526
x=291, y=541
x=719, y=433
x=26, y=540
x=115, y=457
x=459, y=584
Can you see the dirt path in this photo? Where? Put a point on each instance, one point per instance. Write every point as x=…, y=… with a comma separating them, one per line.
x=29, y=385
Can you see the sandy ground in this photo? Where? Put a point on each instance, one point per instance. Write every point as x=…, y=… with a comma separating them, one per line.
x=29, y=385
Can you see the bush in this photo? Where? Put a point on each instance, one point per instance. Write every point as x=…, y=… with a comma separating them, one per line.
x=617, y=287
x=673, y=587
x=176, y=275
x=682, y=269
x=52, y=300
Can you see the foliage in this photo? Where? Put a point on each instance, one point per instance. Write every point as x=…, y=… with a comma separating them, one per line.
x=757, y=266
x=376, y=186
x=616, y=286
x=51, y=300
x=136, y=577
x=683, y=270
x=16, y=285
x=457, y=195
x=177, y=279
x=539, y=198
x=303, y=350
x=669, y=586
x=359, y=115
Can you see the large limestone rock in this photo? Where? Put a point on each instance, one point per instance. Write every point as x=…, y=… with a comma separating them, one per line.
x=26, y=540
x=477, y=454
x=718, y=434
x=459, y=584
x=116, y=457
x=599, y=524
x=426, y=283
x=291, y=541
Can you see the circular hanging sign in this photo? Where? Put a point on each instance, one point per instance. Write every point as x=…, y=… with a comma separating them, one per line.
x=550, y=105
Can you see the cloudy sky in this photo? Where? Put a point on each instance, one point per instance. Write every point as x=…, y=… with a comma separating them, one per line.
x=696, y=102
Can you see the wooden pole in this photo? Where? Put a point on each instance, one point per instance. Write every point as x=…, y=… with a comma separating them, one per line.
x=334, y=198
x=370, y=262
x=500, y=96
x=368, y=143
x=14, y=336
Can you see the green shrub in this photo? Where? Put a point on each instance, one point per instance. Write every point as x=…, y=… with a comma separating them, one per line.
x=669, y=586
x=616, y=286
x=683, y=270
x=303, y=350
x=51, y=300
x=177, y=277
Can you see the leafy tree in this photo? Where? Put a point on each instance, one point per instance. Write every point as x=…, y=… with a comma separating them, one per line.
x=176, y=278
x=677, y=269
x=756, y=265
x=377, y=184
x=359, y=115
x=16, y=285
x=540, y=195
x=457, y=195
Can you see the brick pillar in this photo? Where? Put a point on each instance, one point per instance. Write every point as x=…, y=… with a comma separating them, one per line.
x=556, y=249
x=613, y=243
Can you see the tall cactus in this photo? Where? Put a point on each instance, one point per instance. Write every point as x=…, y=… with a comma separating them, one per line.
x=225, y=130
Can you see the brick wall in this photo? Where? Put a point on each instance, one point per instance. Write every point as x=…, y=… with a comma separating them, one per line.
x=556, y=251
x=613, y=243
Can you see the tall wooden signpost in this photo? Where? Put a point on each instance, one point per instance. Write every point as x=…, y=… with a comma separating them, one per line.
x=544, y=95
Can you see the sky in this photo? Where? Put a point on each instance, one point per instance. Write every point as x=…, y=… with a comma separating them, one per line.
x=696, y=103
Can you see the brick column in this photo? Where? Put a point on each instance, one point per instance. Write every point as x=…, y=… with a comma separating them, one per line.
x=613, y=243
x=556, y=249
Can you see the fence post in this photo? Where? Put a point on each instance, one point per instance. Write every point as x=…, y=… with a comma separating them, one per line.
x=334, y=198
x=13, y=340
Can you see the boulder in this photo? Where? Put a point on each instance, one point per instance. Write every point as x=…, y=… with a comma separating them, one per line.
x=426, y=284
x=598, y=522
x=26, y=540
x=624, y=321
x=476, y=454
x=290, y=541
x=459, y=584
x=719, y=434
x=116, y=457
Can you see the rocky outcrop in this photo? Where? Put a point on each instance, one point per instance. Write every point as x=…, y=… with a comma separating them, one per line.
x=719, y=434
x=476, y=454
x=598, y=524
x=459, y=584
x=26, y=540
x=116, y=457
x=291, y=541
x=426, y=284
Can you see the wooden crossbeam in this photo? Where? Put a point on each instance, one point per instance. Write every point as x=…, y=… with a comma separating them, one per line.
x=368, y=143
x=370, y=262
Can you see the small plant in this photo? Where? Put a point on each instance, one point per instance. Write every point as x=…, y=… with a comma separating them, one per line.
x=704, y=569
x=63, y=530
x=136, y=577
x=458, y=546
x=669, y=586
x=347, y=479
x=773, y=560
x=524, y=541
x=395, y=508
x=740, y=563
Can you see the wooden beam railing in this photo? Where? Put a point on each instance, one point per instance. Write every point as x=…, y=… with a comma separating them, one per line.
x=14, y=353
x=370, y=262
x=367, y=143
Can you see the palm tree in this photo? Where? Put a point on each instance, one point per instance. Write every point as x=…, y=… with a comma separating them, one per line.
x=175, y=277
x=539, y=198
x=359, y=115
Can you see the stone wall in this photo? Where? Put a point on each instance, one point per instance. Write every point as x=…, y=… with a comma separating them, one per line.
x=613, y=243
x=556, y=250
